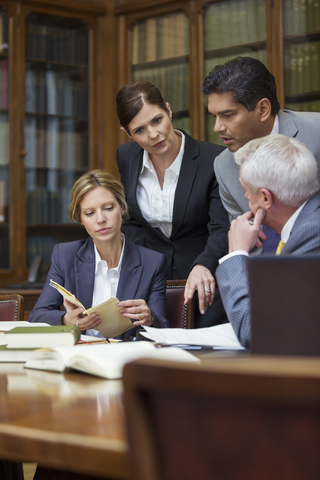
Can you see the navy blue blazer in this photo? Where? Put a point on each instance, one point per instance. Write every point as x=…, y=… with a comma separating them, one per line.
x=143, y=275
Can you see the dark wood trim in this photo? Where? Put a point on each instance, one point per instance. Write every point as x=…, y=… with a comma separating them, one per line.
x=133, y=6
x=71, y=5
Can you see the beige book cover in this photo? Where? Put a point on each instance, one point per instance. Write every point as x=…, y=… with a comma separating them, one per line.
x=113, y=322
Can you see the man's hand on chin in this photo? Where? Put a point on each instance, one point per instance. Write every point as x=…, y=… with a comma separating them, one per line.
x=245, y=231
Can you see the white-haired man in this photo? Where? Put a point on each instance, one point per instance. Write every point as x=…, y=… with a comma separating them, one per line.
x=279, y=175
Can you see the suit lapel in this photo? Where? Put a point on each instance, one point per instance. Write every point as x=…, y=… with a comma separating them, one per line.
x=186, y=179
x=84, y=269
x=131, y=272
x=286, y=125
x=312, y=204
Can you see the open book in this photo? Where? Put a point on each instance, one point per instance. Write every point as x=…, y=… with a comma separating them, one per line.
x=106, y=361
x=113, y=323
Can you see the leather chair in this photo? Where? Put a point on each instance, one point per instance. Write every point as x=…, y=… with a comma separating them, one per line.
x=178, y=314
x=11, y=307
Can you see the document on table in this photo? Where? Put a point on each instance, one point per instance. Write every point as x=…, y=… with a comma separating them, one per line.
x=218, y=336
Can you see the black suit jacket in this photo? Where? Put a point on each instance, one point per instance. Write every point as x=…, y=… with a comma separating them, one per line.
x=200, y=223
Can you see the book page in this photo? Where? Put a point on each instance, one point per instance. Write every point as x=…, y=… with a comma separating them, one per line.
x=113, y=322
x=106, y=361
x=222, y=336
x=67, y=295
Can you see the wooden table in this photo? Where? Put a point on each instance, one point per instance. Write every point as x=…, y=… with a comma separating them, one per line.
x=73, y=421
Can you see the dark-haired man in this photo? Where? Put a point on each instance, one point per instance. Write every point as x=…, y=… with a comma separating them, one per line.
x=242, y=96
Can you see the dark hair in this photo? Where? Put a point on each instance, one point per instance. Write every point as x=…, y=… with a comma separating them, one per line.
x=88, y=182
x=247, y=78
x=131, y=98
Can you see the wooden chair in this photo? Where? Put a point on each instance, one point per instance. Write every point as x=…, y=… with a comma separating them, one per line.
x=11, y=307
x=179, y=315
x=188, y=422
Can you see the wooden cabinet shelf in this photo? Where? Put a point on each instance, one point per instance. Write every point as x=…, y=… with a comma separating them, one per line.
x=50, y=58
x=284, y=35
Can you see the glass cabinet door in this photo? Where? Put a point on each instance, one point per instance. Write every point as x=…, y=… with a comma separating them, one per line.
x=160, y=54
x=56, y=127
x=4, y=141
x=232, y=28
x=301, y=29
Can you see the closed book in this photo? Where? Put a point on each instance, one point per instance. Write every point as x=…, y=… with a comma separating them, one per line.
x=42, y=337
x=14, y=355
x=106, y=361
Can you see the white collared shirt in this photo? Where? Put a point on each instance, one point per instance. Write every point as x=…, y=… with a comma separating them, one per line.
x=156, y=205
x=106, y=280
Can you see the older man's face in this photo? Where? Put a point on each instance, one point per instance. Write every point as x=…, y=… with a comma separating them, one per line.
x=253, y=198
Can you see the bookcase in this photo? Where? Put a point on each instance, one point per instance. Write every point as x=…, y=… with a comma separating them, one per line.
x=175, y=44
x=49, y=112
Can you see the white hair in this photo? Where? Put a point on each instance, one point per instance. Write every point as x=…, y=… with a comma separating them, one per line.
x=283, y=165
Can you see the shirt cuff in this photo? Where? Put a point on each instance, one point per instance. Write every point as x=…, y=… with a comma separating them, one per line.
x=232, y=254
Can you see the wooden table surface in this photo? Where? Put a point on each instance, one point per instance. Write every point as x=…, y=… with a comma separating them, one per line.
x=72, y=421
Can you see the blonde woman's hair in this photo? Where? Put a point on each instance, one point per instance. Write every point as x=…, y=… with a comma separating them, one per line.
x=91, y=180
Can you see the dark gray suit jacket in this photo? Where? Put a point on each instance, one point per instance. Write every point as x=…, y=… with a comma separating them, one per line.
x=232, y=275
x=303, y=126
x=73, y=266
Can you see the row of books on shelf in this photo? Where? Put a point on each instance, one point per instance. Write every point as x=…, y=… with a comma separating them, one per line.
x=211, y=61
x=171, y=80
x=301, y=16
x=40, y=245
x=45, y=206
x=53, y=142
x=4, y=33
x=302, y=67
x=4, y=139
x=4, y=82
x=56, y=92
x=160, y=37
x=57, y=43
x=311, y=106
x=234, y=22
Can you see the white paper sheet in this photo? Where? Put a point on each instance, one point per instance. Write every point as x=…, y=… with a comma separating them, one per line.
x=221, y=336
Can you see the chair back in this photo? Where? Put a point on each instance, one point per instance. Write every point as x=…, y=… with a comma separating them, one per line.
x=178, y=314
x=199, y=421
x=11, y=307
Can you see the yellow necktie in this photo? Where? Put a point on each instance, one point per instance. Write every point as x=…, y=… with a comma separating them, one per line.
x=280, y=247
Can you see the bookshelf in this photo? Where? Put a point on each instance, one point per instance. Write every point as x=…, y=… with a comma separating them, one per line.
x=283, y=34
x=49, y=112
x=56, y=123
x=160, y=53
x=302, y=55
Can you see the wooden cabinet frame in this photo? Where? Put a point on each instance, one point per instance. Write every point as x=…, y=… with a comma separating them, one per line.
x=91, y=14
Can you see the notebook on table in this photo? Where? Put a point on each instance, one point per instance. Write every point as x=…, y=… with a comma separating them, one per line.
x=285, y=304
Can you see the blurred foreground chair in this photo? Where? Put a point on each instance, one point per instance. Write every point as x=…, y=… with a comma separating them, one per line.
x=178, y=314
x=188, y=422
x=11, y=307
